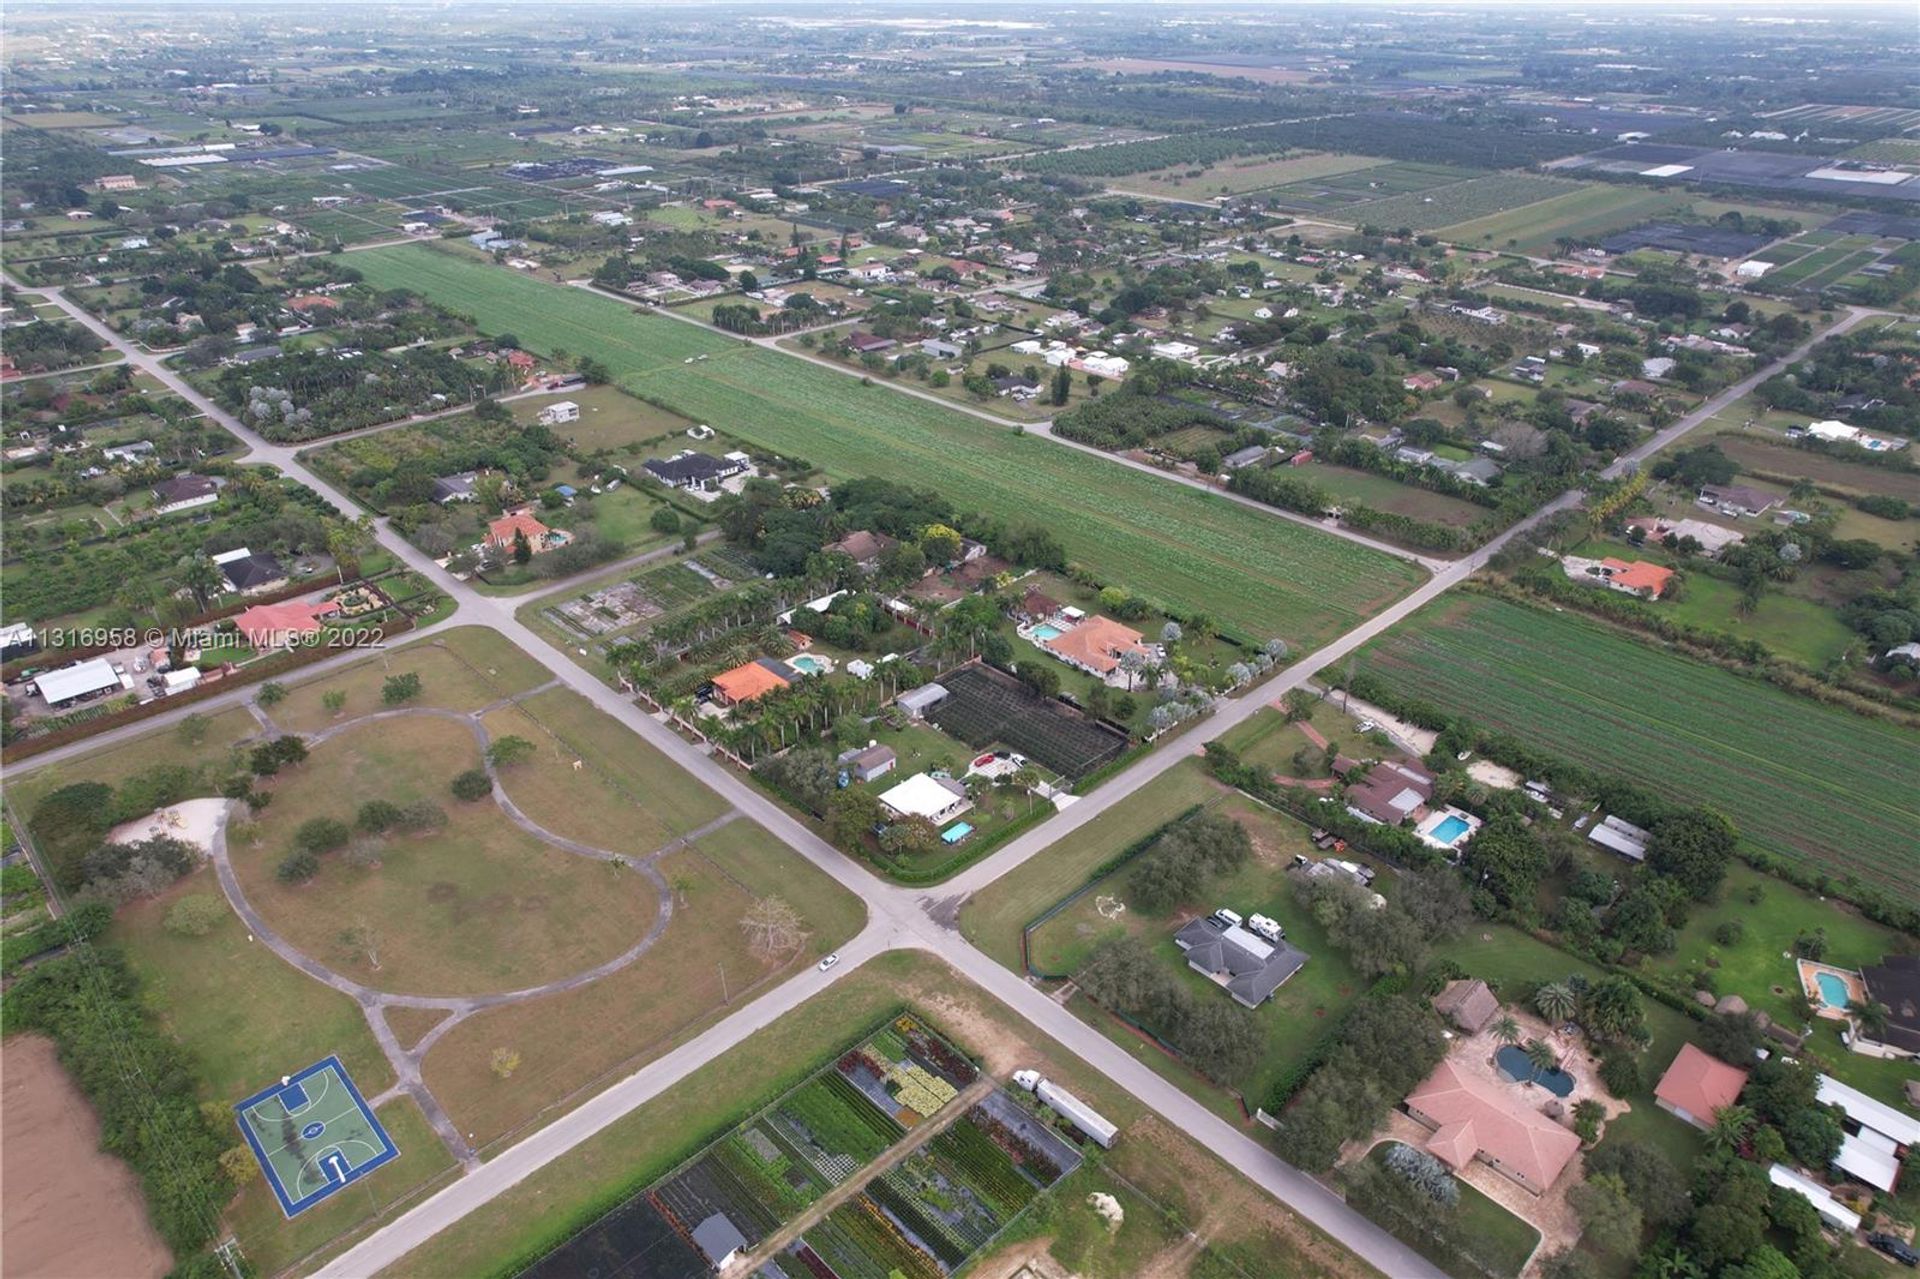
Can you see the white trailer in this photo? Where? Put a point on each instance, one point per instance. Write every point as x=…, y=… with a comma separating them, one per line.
x=1077, y=1112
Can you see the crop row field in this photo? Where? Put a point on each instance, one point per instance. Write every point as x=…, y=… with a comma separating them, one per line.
x=1589, y=212
x=923, y=1217
x=1357, y=186
x=1193, y=552
x=1238, y=176
x=1803, y=781
x=1474, y=198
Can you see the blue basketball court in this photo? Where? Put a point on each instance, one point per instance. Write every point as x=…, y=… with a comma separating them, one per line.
x=314, y=1135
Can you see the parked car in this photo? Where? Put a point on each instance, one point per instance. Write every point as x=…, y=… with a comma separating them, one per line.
x=1897, y=1248
x=1365, y=726
x=829, y=961
x=1225, y=916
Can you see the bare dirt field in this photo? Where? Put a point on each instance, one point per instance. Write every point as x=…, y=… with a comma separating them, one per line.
x=70, y=1209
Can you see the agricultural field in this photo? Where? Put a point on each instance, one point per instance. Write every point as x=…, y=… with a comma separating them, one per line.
x=1381, y=182
x=1461, y=201
x=1237, y=177
x=954, y=1193
x=1583, y=213
x=1259, y=576
x=1802, y=781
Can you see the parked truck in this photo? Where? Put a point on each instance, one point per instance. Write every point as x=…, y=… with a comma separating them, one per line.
x=1077, y=1112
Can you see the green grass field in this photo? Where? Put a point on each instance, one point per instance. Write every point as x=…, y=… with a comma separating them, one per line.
x=1803, y=781
x=1474, y=198
x=1257, y=575
x=1584, y=213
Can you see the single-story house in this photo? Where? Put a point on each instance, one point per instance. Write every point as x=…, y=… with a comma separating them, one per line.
x=1621, y=836
x=869, y=343
x=1480, y=470
x=501, y=533
x=916, y=702
x=1697, y=1085
x=137, y=451
x=455, y=488
x=1636, y=577
x=184, y=493
x=864, y=548
x=1468, y=1004
x=1473, y=1118
x=82, y=679
x=692, y=470
x=865, y=763
x=1895, y=982
x=1713, y=538
x=1831, y=1210
x=938, y=799
x=1737, y=499
x=250, y=573
x=1877, y=1139
x=941, y=349
x=1096, y=645
x=1239, y=459
x=559, y=411
x=1249, y=967
x=1390, y=793
x=751, y=681
x=280, y=625
x=1421, y=382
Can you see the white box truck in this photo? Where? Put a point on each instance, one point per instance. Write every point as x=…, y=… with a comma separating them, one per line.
x=1077, y=1112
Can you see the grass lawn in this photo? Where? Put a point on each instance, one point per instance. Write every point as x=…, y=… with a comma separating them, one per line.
x=1383, y=493
x=1499, y=1241
x=114, y=764
x=622, y=517
x=541, y=1210
x=479, y=906
x=1251, y=173
x=571, y=1041
x=628, y=797
x=1291, y=1021
x=461, y=670
x=1269, y=741
x=1198, y=553
x=609, y=419
x=994, y=916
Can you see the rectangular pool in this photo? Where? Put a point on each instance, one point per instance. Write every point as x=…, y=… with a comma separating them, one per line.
x=1450, y=829
x=956, y=832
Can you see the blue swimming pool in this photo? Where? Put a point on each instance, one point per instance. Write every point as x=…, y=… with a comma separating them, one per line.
x=1450, y=829
x=956, y=832
x=1515, y=1066
x=1834, y=991
x=807, y=664
x=1046, y=631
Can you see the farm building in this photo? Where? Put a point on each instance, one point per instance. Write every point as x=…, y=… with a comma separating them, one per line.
x=82, y=679
x=1831, y=1210
x=1877, y=1139
x=1472, y=1118
x=1696, y=1085
x=868, y=762
x=559, y=411
x=918, y=701
x=1621, y=836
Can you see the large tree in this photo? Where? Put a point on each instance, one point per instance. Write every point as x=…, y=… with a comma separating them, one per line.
x=1507, y=859
x=1694, y=848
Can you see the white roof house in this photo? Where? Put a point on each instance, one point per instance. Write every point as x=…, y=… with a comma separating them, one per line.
x=1833, y=432
x=1831, y=1210
x=923, y=795
x=78, y=680
x=559, y=411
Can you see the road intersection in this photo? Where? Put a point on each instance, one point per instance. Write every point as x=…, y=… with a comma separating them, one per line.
x=897, y=917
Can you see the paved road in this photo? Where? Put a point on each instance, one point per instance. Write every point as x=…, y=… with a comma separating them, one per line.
x=897, y=917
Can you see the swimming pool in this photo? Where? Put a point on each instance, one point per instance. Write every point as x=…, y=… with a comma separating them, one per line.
x=1834, y=991
x=956, y=832
x=807, y=664
x=1046, y=631
x=1450, y=829
x=1515, y=1065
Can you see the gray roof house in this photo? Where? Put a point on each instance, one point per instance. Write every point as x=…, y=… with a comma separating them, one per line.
x=868, y=762
x=1480, y=470
x=1249, y=967
x=250, y=571
x=1247, y=456
x=918, y=701
x=455, y=488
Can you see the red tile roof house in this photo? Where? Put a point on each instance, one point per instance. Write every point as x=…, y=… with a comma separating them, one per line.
x=282, y=625
x=1637, y=577
x=539, y=537
x=1477, y=1119
x=1696, y=1085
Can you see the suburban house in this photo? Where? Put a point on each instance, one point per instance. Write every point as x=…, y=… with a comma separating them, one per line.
x=1389, y=793
x=1696, y=1085
x=1249, y=967
x=1877, y=1137
x=938, y=799
x=184, y=493
x=249, y=573
x=1713, y=538
x=1895, y=982
x=1473, y=1118
x=1629, y=577
x=560, y=411
x=137, y=451
x=751, y=681
x=869, y=343
x=1096, y=645
x=501, y=533
x=1468, y=1004
x=284, y=624
x=863, y=548
x=865, y=763
x=455, y=488
x=695, y=471
x=1479, y=471
x=916, y=702
x=1737, y=499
